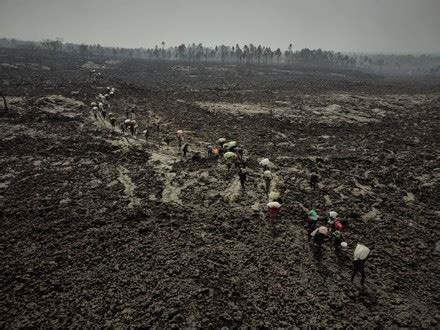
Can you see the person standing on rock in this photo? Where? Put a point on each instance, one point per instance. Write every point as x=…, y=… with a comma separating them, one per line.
x=112, y=120
x=312, y=220
x=127, y=123
x=185, y=149
x=314, y=179
x=157, y=122
x=146, y=134
x=237, y=159
x=360, y=256
x=179, y=137
x=319, y=235
x=267, y=175
x=242, y=176
x=133, y=127
x=95, y=112
x=337, y=240
x=334, y=222
x=167, y=139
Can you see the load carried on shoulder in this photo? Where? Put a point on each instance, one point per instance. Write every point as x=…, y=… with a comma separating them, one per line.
x=274, y=204
x=230, y=146
x=361, y=252
x=229, y=155
x=312, y=215
x=273, y=209
x=268, y=175
x=274, y=196
x=266, y=163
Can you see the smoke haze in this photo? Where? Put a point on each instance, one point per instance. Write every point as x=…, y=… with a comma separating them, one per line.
x=398, y=26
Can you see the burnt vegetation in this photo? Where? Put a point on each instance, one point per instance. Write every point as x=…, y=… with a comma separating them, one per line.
x=393, y=64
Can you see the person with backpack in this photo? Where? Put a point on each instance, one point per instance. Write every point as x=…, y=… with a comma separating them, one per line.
x=314, y=179
x=334, y=221
x=319, y=235
x=312, y=220
x=242, y=176
x=179, y=137
x=337, y=240
x=185, y=149
x=267, y=175
x=112, y=120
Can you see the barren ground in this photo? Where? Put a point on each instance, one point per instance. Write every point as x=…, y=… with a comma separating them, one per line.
x=100, y=228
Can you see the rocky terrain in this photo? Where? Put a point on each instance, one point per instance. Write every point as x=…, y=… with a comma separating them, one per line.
x=101, y=228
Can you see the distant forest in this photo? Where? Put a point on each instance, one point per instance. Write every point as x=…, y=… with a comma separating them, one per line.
x=246, y=54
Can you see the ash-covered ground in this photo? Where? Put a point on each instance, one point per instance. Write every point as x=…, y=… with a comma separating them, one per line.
x=100, y=228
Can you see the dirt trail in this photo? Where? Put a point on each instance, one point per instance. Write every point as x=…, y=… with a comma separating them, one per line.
x=162, y=161
x=130, y=187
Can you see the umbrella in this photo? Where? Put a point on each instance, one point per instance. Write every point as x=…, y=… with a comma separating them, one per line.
x=179, y=131
x=228, y=155
x=95, y=108
x=127, y=121
x=361, y=252
x=274, y=205
x=221, y=140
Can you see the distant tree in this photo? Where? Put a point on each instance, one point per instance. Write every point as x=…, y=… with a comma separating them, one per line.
x=181, y=50
x=199, y=52
x=163, y=50
x=252, y=50
x=245, y=55
x=223, y=53
x=156, y=52
x=238, y=53
x=267, y=53
x=83, y=49
x=288, y=54
x=278, y=54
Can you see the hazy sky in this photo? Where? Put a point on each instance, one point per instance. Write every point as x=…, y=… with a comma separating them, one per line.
x=348, y=25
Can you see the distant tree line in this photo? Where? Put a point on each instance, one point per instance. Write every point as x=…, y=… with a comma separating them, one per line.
x=245, y=54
